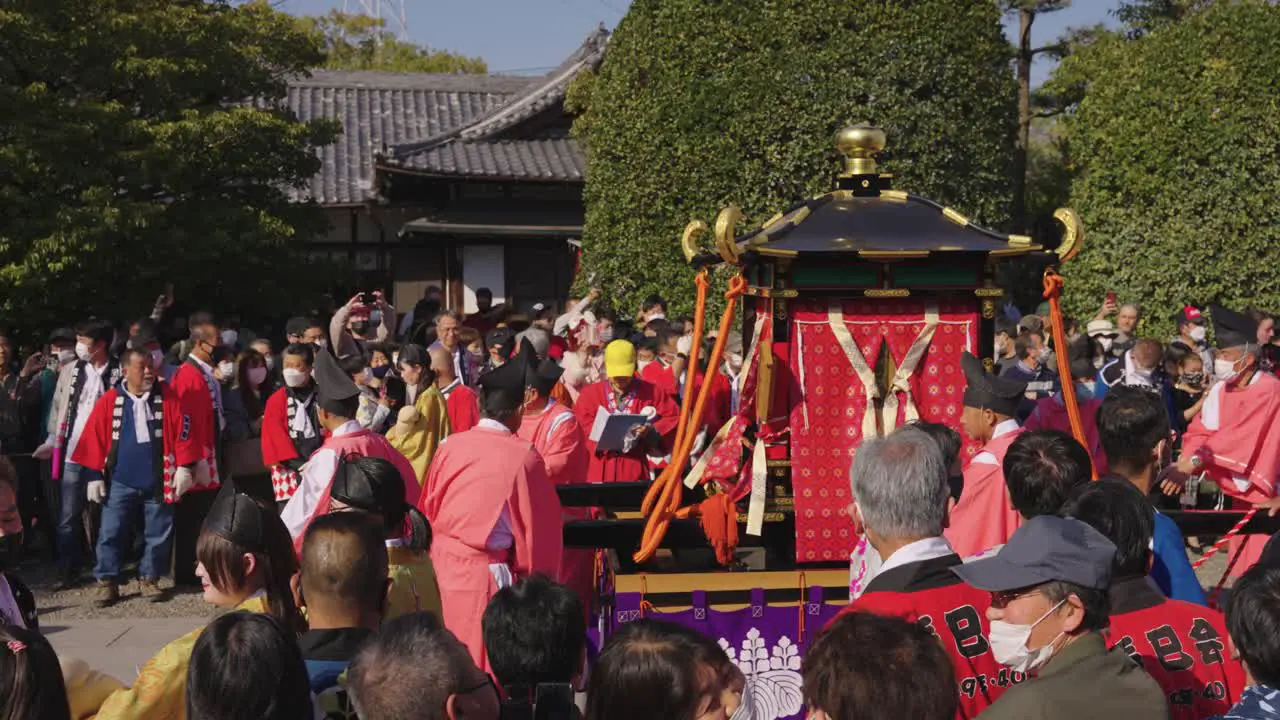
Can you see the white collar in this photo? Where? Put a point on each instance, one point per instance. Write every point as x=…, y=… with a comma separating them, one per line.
x=206, y=367
x=1004, y=428
x=347, y=428
x=926, y=549
x=395, y=542
x=491, y=424
x=449, y=388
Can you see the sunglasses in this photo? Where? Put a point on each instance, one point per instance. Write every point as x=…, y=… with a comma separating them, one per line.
x=1000, y=599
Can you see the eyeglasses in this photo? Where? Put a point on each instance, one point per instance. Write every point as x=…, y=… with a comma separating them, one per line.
x=1000, y=599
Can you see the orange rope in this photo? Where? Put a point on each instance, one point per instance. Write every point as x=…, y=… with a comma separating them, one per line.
x=1052, y=293
x=669, y=486
x=686, y=404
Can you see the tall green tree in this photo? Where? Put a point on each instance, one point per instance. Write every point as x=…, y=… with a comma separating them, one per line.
x=1175, y=162
x=143, y=142
x=361, y=42
x=701, y=104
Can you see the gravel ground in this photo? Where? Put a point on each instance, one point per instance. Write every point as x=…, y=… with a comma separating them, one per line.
x=77, y=603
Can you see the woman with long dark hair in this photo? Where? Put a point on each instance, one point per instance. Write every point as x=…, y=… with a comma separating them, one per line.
x=246, y=560
x=424, y=420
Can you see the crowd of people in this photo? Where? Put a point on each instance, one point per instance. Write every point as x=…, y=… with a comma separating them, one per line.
x=375, y=505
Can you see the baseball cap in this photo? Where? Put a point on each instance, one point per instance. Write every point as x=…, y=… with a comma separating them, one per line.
x=64, y=335
x=1189, y=314
x=498, y=336
x=1031, y=323
x=1098, y=328
x=620, y=359
x=1045, y=549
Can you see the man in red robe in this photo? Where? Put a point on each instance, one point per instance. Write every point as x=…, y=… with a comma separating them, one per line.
x=662, y=372
x=1235, y=439
x=461, y=401
x=623, y=392
x=337, y=402
x=494, y=514
x=290, y=429
x=554, y=432
x=200, y=396
x=984, y=516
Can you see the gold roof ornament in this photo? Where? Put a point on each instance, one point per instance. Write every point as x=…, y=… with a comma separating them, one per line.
x=859, y=144
x=864, y=217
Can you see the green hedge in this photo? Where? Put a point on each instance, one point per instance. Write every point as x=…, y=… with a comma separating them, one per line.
x=706, y=103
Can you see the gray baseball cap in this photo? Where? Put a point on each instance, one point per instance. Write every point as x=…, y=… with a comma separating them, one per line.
x=1045, y=549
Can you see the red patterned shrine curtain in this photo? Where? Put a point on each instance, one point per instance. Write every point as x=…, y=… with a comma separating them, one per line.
x=834, y=352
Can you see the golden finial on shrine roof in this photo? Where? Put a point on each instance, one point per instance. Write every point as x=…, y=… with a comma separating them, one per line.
x=859, y=144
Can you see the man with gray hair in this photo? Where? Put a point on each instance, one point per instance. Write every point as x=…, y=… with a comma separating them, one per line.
x=415, y=669
x=447, y=324
x=901, y=500
x=1235, y=439
x=539, y=338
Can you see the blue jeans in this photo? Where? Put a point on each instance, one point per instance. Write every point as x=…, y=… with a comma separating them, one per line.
x=119, y=517
x=71, y=516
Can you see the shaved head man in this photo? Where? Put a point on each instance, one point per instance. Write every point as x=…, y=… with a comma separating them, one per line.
x=442, y=365
x=343, y=585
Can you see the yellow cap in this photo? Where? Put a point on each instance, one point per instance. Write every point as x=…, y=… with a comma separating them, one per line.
x=620, y=359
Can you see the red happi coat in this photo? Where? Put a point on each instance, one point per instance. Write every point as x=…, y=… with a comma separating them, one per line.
x=197, y=405
x=173, y=427
x=660, y=375
x=463, y=407
x=634, y=466
x=472, y=477
x=929, y=593
x=279, y=446
x=1237, y=434
x=558, y=438
x=984, y=517
x=1183, y=646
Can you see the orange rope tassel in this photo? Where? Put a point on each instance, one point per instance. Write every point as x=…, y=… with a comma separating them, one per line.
x=1052, y=293
x=1222, y=542
x=669, y=486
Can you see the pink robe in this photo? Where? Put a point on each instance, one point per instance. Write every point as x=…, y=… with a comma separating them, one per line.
x=558, y=438
x=984, y=517
x=1237, y=433
x=472, y=477
x=1051, y=414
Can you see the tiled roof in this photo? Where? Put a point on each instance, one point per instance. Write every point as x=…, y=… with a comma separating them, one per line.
x=379, y=110
x=486, y=147
x=553, y=159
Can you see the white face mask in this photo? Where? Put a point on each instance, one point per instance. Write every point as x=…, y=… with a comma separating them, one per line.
x=1225, y=370
x=1009, y=644
x=295, y=378
x=1197, y=333
x=257, y=375
x=1105, y=343
x=229, y=337
x=66, y=356
x=270, y=360
x=606, y=334
x=366, y=376
x=226, y=369
x=83, y=352
x=642, y=364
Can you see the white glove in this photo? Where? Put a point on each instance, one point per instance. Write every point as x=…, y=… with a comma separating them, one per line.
x=201, y=474
x=97, y=491
x=650, y=413
x=182, y=481
x=44, y=452
x=684, y=345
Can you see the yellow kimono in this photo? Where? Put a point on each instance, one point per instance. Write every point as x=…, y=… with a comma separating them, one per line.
x=159, y=693
x=413, y=583
x=420, y=429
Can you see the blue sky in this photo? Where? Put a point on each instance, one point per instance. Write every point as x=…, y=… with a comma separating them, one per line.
x=532, y=35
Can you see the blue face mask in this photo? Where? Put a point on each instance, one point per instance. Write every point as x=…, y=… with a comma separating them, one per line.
x=1086, y=391
x=381, y=372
